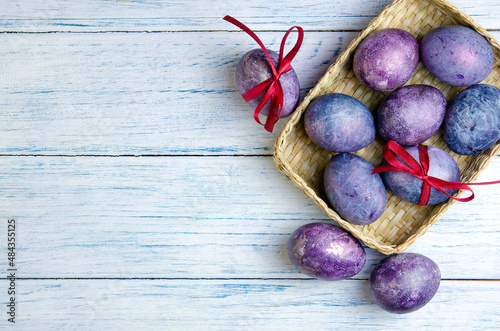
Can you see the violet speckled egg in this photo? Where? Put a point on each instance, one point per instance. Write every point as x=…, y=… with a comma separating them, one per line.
x=411, y=114
x=325, y=251
x=253, y=68
x=404, y=283
x=408, y=187
x=472, y=121
x=386, y=59
x=339, y=123
x=354, y=193
x=457, y=55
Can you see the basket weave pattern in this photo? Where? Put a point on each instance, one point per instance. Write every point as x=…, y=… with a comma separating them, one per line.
x=303, y=162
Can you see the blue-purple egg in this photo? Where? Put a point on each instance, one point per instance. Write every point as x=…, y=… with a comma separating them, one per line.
x=472, y=122
x=441, y=165
x=339, y=123
x=325, y=251
x=386, y=59
x=404, y=283
x=411, y=114
x=253, y=68
x=354, y=193
x=457, y=55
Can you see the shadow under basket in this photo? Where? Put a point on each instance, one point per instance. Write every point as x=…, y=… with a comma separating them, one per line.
x=303, y=162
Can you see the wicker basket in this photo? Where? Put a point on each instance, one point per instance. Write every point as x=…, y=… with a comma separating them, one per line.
x=303, y=162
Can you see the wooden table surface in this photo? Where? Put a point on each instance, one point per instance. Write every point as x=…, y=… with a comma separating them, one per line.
x=145, y=196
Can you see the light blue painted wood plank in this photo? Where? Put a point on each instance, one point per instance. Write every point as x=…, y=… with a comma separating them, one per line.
x=188, y=217
x=244, y=305
x=153, y=15
x=170, y=93
x=198, y=217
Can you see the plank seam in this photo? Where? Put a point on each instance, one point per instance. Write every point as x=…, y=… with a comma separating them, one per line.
x=137, y=155
x=228, y=279
x=158, y=31
x=175, y=31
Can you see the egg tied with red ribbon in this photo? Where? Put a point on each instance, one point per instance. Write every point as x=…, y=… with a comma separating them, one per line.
x=267, y=80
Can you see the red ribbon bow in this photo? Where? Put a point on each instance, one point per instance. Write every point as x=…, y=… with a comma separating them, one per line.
x=272, y=86
x=420, y=170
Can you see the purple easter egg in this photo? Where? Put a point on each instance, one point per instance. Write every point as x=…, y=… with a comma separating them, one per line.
x=404, y=283
x=457, y=55
x=411, y=114
x=339, y=123
x=325, y=251
x=253, y=68
x=354, y=193
x=441, y=165
x=386, y=59
x=472, y=121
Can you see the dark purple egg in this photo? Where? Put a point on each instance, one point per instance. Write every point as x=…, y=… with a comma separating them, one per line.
x=404, y=283
x=354, y=193
x=472, y=121
x=325, y=251
x=386, y=59
x=457, y=55
x=411, y=114
x=408, y=187
x=339, y=123
x=253, y=68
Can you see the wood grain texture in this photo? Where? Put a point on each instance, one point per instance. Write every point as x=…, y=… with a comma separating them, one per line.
x=116, y=304
x=121, y=93
x=194, y=217
x=191, y=233
x=154, y=15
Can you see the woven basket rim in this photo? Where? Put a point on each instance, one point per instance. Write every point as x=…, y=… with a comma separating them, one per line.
x=282, y=140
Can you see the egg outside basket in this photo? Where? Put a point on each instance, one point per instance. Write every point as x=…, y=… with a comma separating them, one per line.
x=303, y=162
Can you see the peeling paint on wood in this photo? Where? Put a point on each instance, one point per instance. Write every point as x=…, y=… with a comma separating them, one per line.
x=145, y=195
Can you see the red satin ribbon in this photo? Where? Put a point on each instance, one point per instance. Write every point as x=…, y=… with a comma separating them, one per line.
x=272, y=86
x=420, y=170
